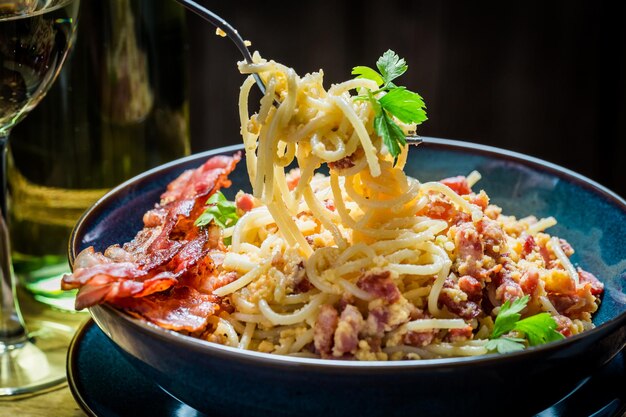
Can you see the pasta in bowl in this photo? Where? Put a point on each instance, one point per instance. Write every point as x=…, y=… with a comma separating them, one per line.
x=365, y=263
x=203, y=374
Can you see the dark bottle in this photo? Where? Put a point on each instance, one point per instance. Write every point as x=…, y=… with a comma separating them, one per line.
x=118, y=108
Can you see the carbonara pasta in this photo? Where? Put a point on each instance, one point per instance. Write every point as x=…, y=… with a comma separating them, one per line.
x=337, y=253
x=356, y=263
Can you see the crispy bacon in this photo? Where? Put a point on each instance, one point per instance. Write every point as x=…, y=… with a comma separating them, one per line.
x=563, y=325
x=529, y=281
x=507, y=288
x=380, y=285
x=101, y=280
x=210, y=177
x=244, y=202
x=324, y=329
x=567, y=248
x=166, y=255
x=459, y=335
x=529, y=245
x=481, y=200
x=203, y=275
x=419, y=338
x=347, y=333
x=492, y=236
x=458, y=184
x=439, y=209
x=293, y=178
x=470, y=248
x=344, y=163
x=587, y=278
x=472, y=287
x=183, y=308
x=459, y=302
x=377, y=322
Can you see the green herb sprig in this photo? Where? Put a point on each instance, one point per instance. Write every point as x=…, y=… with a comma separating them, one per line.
x=398, y=102
x=220, y=210
x=538, y=329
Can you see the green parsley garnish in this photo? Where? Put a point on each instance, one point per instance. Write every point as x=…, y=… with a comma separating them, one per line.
x=221, y=211
x=538, y=329
x=399, y=102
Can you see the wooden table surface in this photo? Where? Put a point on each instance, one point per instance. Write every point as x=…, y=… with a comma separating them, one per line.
x=57, y=402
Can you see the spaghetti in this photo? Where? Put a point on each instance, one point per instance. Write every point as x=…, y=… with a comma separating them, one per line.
x=363, y=263
x=366, y=262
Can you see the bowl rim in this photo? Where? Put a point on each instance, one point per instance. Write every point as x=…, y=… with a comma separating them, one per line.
x=227, y=352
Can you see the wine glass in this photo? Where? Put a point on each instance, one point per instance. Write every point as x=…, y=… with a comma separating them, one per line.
x=35, y=36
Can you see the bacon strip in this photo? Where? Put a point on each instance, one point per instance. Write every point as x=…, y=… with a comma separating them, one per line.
x=183, y=308
x=162, y=257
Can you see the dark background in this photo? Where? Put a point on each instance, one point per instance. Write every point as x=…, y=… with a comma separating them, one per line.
x=544, y=78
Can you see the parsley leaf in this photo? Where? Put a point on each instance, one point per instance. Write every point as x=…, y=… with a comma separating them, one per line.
x=369, y=73
x=393, y=136
x=398, y=102
x=221, y=211
x=508, y=315
x=505, y=344
x=406, y=105
x=539, y=329
x=391, y=66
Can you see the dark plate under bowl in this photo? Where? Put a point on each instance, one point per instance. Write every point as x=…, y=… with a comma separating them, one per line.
x=591, y=218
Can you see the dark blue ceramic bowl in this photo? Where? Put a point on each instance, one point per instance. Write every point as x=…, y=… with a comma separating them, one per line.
x=225, y=381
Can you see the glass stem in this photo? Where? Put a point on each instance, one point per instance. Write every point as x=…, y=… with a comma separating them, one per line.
x=12, y=329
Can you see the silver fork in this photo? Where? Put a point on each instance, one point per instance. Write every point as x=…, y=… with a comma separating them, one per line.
x=236, y=38
x=226, y=27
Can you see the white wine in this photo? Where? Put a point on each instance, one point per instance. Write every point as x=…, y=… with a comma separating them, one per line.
x=118, y=108
x=34, y=38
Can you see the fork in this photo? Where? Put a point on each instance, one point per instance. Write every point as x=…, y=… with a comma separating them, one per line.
x=236, y=38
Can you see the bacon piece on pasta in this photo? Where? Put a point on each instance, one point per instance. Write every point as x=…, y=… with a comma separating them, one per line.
x=563, y=325
x=529, y=245
x=183, y=308
x=492, y=236
x=567, y=248
x=583, y=301
x=244, y=202
x=380, y=285
x=347, y=334
x=458, y=301
x=587, y=278
x=293, y=178
x=324, y=330
x=377, y=321
x=344, y=163
x=439, y=209
x=458, y=184
x=481, y=200
x=419, y=338
x=529, y=281
x=507, y=288
x=472, y=287
x=459, y=335
x=165, y=253
x=469, y=248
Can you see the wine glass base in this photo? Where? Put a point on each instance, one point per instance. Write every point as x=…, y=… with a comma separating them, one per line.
x=37, y=364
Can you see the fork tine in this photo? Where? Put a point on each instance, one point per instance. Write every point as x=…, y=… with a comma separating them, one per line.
x=414, y=140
